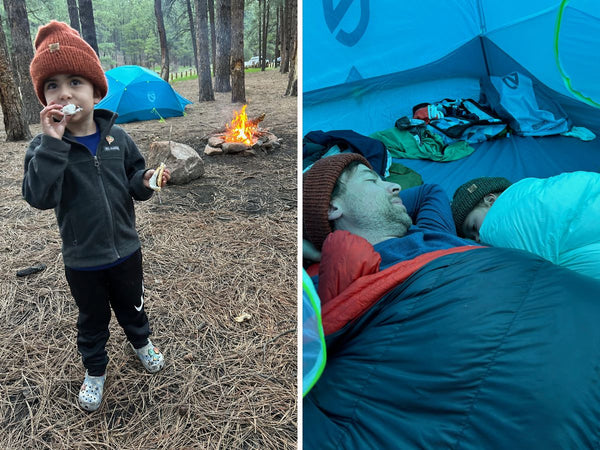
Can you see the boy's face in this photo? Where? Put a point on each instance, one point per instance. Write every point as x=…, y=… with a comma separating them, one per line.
x=474, y=221
x=63, y=89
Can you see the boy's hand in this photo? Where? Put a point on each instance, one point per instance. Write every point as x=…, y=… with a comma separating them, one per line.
x=50, y=126
x=165, y=177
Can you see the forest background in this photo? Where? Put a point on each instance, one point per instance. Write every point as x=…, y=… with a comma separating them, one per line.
x=127, y=33
x=210, y=39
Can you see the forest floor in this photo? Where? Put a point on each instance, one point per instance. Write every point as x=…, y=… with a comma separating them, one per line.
x=222, y=245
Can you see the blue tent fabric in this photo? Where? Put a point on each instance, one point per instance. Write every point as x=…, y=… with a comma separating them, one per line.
x=513, y=158
x=366, y=84
x=136, y=93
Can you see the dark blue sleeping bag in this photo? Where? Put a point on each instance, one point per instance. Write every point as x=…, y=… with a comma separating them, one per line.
x=487, y=349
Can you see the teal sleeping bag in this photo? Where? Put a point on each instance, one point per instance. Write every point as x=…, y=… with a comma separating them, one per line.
x=557, y=218
x=487, y=349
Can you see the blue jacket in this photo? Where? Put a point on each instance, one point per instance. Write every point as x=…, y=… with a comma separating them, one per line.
x=433, y=227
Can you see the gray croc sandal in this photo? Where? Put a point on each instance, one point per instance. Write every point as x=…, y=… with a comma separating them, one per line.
x=90, y=394
x=150, y=356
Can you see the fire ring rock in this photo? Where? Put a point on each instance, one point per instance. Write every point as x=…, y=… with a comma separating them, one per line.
x=265, y=141
x=233, y=147
x=182, y=160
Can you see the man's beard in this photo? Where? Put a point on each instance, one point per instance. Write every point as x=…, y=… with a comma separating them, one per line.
x=392, y=221
x=400, y=221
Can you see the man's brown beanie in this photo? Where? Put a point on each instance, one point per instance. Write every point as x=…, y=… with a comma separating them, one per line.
x=60, y=50
x=470, y=194
x=317, y=185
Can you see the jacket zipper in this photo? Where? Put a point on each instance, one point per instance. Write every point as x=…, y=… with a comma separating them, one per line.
x=106, y=202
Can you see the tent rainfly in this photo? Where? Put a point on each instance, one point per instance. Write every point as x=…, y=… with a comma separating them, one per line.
x=136, y=93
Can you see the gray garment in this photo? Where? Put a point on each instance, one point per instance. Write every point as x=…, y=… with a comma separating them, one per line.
x=92, y=196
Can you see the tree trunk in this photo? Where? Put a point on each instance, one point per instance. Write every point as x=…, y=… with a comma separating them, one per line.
x=222, y=71
x=285, y=32
x=15, y=124
x=22, y=54
x=265, y=25
x=162, y=36
x=277, y=34
x=193, y=31
x=213, y=33
x=88, y=26
x=204, y=79
x=289, y=31
x=74, y=15
x=238, y=87
x=292, y=88
x=260, y=17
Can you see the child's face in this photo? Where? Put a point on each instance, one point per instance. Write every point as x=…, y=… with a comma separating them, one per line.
x=473, y=222
x=63, y=89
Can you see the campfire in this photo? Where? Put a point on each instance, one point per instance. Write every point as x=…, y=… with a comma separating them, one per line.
x=241, y=129
x=242, y=135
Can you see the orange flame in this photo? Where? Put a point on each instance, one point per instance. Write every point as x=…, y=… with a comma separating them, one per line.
x=240, y=129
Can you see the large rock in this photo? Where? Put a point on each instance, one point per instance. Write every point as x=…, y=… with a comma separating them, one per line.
x=182, y=160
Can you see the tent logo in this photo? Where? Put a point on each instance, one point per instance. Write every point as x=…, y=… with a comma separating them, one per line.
x=511, y=80
x=151, y=96
x=334, y=15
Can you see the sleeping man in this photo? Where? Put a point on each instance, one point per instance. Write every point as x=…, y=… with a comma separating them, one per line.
x=556, y=218
x=363, y=204
x=433, y=342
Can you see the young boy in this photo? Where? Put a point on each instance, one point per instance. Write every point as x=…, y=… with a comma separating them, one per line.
x=472, y=201
x=556, y=218
x=89, y=170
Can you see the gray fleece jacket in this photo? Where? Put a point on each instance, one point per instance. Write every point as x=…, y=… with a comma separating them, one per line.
x=92, y=196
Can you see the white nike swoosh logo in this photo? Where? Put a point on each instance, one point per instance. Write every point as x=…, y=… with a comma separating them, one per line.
x=139, y=308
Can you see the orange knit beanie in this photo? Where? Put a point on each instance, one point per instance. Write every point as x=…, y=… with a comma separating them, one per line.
x=59, y=49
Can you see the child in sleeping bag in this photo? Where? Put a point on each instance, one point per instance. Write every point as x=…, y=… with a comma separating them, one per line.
x=556, y=218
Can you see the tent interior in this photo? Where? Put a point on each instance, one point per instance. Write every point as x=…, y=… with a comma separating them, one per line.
x=366, y=64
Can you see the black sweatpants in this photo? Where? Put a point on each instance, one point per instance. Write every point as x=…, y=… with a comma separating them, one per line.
x=95, y=292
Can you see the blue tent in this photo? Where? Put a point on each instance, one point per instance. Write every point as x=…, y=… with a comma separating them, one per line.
x=136, y=93
x=385, y=57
